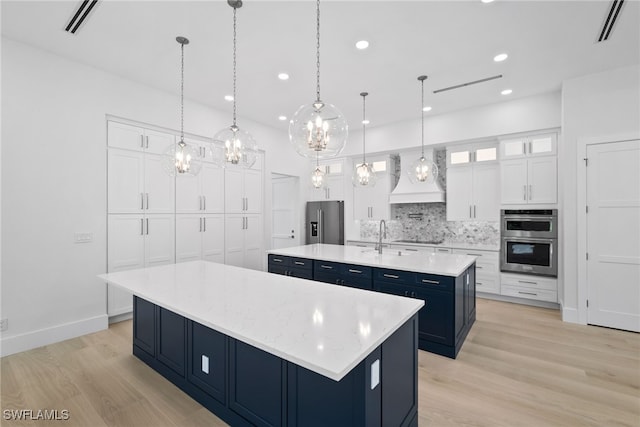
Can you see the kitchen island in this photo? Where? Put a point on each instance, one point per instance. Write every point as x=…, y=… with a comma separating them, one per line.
x=267, y=350
x=444, y=282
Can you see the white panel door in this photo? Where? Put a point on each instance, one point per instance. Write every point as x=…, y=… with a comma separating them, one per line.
x=613, y=235
x=159, y=245
x=212, y=188
x=234, y=239
x=486, y=198
x=188, y=237
x=188, y=195
x=213, y=238
x=254, y=255
x=513, y=182
x=233, y=190
x=159, y=186
x=253, y=190
x=125, y=182
x=125, y=136
x=543, y=180
x=284, y=212
x=459, y=193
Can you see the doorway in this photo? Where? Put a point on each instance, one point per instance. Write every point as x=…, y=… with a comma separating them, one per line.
x=613, y=234
x=285, y=191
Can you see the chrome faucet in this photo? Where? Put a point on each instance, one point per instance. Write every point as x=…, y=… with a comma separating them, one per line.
x=379, y=247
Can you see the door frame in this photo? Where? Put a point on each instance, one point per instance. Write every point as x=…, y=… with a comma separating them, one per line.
x=582, y=145
x=296, y=202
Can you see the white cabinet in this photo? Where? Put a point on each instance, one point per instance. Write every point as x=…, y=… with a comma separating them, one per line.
x=528, y=146
x=137, y=183
x=128, y=137
x=373, y=202
x=243, y=189
x=203, y=193
x=200, y=237
x=487, y=269
x=530, y=287
x=472, y=192
x=136, y=241
x=333, y=187
x=529, y=181
x=243, y=240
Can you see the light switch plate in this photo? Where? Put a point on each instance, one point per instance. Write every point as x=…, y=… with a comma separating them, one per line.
x=205, y=364
x=375, y=374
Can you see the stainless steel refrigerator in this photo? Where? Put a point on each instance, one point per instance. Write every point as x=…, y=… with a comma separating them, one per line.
x=325, y=222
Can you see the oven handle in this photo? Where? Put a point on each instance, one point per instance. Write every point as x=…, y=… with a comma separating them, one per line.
x=530, y=239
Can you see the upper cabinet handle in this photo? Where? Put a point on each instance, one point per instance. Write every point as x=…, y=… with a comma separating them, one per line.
x=141, y=141
x=142, y=201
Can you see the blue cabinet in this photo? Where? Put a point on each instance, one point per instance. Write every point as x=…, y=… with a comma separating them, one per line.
x=207, y=360
x=144, y=326
x=354, y=276
x=171, y=338
x=291, y=266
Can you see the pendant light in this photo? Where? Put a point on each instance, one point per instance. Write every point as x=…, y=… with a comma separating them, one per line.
x=317, y=176
x=318, y=129
x=423, y=170
x=363, y=173
x=182, y=158
x=239, y=146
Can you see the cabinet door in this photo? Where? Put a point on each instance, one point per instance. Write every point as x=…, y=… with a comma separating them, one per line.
x=436, y=316
x=335, y=187
x=543, y=180
x=459, y=193
x=144, y=325
x=542, y=144
x=124, y=136
x=125, y=183
x=208, y=360
x=213, y=238
x=212, y=188
x=188, y=237
x=159, y=239
x=171, y=340
x=233, y=190
x=234, y=239
x=513, y=148
x=253, y=190
x=158, y=142
x=125, y=242
x=253, y=253
x=513, y=181
x=486, y=187
x=363, y=200
x=188, y=196
x=158, y=186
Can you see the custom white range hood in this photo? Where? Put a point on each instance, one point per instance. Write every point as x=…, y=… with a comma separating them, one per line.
x=408, y=192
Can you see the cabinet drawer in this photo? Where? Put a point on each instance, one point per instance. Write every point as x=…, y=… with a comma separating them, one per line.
x=522, y=292
x=487, y=284
x=301, y=263
x=531, y=282
x=394, y=276
x=355, y=271
x=327, y=267
x=279, y=260
x=442, y=250
x=431, y=281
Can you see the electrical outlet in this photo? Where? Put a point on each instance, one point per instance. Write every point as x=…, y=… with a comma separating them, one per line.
x=4, y=325
x=83, y=237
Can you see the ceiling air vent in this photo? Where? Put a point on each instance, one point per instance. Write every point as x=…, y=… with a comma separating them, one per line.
x=84, y=9
x=612, y=16
x=499, y=76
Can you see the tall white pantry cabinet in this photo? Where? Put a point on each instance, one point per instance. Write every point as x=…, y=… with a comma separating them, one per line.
x=156, y=219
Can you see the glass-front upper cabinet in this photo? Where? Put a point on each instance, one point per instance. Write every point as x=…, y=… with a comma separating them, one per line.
x=529, y=145
x=476, y=153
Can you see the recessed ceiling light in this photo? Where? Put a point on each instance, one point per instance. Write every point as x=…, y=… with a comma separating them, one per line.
x=427, y=108
x=362, y=44
x=282, y=118
x=486, y=1
x=506, y=92
x=500, y=57
x=228, y=98
x=283, y=76
x=365, y=122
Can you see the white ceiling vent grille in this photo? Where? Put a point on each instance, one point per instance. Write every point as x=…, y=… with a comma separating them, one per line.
x=475, y=82
x=84, y=9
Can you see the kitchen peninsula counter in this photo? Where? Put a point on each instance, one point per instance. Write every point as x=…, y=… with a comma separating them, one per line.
x=317, y=352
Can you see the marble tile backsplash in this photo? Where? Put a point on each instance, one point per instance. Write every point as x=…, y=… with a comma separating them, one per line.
x=428, y=222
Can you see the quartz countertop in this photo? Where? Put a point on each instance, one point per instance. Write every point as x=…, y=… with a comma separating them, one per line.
x=441, y=264
x=326, y=329
x=445, y=244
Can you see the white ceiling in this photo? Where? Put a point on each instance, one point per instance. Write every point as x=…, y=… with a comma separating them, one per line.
x=450, y=41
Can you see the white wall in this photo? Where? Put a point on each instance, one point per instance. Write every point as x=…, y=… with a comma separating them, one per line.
x=595, y=106
x=54, y=184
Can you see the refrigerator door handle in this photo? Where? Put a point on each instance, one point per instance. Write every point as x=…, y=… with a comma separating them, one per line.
x=320, y=226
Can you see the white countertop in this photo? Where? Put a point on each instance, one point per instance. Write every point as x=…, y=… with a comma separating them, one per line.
x=441, y=264
x=328, y=329
x=445, y=244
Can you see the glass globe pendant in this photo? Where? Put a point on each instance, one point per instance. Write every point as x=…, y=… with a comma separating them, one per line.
x=363, y=173
x=422, y=170
x=238, y=146
x=318, y=129
x=181, y=158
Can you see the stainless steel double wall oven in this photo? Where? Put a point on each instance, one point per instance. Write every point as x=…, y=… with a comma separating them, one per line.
x=529, y=240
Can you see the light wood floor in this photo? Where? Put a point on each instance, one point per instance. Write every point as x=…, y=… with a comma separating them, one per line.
x=520, y=366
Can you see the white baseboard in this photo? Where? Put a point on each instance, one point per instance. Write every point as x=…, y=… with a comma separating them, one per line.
x=516, y=300
x=570, y=315
x=27, y=341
